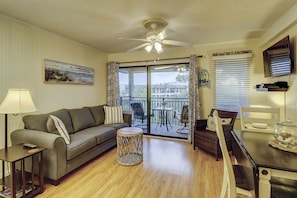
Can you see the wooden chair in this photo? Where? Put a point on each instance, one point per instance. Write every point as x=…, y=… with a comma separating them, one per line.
x=207, y=140
x=234, y=175
x=259, y=119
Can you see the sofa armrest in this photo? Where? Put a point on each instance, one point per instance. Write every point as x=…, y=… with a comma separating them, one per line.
x=55, y=155
x=201, y=124
x=128, y=117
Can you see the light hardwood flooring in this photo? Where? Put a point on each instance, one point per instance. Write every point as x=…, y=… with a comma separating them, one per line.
x=170, y=169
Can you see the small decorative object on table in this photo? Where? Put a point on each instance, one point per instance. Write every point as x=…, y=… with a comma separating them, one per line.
x=285, y=136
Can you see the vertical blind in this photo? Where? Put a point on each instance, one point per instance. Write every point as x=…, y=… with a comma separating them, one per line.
x=232, y=80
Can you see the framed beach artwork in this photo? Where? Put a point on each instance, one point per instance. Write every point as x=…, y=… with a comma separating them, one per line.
x=56, y=72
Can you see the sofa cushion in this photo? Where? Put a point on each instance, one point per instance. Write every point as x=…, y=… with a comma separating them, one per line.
x=36, y=122
x=117, y=125
x=80, y=143
x=101, y=133
x=106, y=133
x=61, y=128
x=113, y=114
x=81, y=118
x=98, y=114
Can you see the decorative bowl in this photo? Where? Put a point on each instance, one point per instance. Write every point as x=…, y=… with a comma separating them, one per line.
x=285, y=134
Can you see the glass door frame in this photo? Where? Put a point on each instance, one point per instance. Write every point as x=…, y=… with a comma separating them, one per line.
x=149, y=71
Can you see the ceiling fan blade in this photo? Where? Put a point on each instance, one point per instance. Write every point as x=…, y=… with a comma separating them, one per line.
x=138, y=47
x=165, y=33
x=177, y=43
x=133, y=39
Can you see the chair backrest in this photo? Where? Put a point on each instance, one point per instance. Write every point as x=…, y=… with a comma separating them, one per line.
x=225, y=114
x=137, y=109
x=259, y=119
x=229, y=176
x=184, y=118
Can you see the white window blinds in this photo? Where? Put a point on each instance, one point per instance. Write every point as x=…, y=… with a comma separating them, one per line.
x=232, y=80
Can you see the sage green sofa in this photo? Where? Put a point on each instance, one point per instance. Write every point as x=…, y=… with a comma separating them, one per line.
x=89, y=137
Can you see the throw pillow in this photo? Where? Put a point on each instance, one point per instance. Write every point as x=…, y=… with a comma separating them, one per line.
x=50, y=125
x=61, y=128
x=113, y=115
x=64, y=116
x=211, y=125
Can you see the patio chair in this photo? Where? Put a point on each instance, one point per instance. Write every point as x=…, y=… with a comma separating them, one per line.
x=183, y=117
x=139, y=114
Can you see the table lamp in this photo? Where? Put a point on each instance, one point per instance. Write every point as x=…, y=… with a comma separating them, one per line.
x=16, y=101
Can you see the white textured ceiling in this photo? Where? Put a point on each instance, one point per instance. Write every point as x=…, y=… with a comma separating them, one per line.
x=98, y=23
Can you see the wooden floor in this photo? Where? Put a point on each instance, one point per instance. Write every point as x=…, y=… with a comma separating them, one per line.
x=170, y=169
x=163, y=132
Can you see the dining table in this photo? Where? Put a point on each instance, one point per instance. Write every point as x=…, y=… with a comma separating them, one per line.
x=266, y=163
x=164, y=116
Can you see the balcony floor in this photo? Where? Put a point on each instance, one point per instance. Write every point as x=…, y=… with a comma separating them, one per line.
x=162, y=131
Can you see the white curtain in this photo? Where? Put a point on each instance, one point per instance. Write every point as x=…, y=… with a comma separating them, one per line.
x=113, y=91
x=194, y=101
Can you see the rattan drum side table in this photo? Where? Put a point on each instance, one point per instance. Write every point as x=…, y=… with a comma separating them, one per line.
x=129, y=146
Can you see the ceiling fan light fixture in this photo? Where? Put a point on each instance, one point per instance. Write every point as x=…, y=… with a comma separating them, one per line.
x=148, y=48
x=156, y=37
x=158, y=47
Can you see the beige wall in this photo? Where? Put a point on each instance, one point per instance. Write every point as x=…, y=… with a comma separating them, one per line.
x=287, y=101
x=22, y=51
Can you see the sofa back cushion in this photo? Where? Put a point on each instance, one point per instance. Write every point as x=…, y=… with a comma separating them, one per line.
x=98, y=114
x=36, y=122
x=81, y=118
x=39, y=121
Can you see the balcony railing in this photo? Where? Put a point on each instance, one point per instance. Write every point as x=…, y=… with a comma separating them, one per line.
x=175, y=103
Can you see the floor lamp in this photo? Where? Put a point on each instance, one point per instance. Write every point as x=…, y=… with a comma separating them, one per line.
x=16, y=101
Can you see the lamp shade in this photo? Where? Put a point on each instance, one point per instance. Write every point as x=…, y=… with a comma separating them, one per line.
x=17, y=101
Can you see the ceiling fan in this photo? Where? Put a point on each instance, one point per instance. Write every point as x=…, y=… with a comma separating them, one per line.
x=155, y=38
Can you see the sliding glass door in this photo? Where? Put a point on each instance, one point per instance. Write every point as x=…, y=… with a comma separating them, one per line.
x=169, y=93
x=157, y=94
x=133, y=94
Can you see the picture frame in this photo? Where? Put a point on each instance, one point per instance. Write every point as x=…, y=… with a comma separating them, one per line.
x=55, y=72
x=203, y=78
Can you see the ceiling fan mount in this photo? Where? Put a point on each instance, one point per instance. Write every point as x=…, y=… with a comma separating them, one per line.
x=154, y=24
